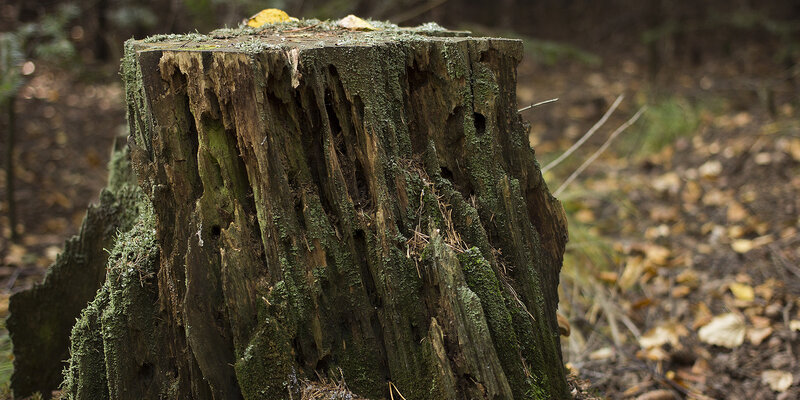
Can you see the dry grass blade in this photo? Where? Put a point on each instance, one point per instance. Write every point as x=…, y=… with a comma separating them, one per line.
x=599, y=151
x=327, y=389
x=452, y=239
x=586, y=136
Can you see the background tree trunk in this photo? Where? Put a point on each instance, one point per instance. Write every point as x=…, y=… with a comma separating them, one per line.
x=361, y=205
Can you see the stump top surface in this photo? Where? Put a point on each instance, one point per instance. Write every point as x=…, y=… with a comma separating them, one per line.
x=301, y=35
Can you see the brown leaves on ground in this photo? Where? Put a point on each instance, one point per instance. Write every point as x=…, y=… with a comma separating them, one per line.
x=682, y=275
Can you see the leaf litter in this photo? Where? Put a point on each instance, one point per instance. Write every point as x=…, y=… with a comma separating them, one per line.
x=693, y=245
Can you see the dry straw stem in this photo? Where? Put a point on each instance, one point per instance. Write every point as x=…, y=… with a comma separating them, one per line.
x=452, y=239
x=599, y=151
x=537, y=104
x=392, y=389
x=326, y=389
x=586, y=136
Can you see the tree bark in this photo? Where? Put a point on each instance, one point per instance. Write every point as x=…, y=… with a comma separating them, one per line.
x=329, y=203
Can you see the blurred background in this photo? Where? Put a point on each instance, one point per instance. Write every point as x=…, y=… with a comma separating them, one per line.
x=689, y=216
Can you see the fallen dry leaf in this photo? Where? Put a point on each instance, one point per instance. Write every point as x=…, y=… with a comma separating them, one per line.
x=4, y=304
x=702, y=315
x=657, y=254
x=736, y=231
x=757, y=335
x=669, y=332
x=691, y=193
x=688, y=277
x=726, y=330
x=794, y=325
x=608, y=276
x=52, y=252
x=269, y=16
x=794, y=149
x=602, y=354
x=654, y=354
x=736, y=212
x=355, y=23
x=654, y=232
x=763, y=158
x=634, y=269
x=741, y=119
x=585, y=216
x=742, y=246
x=777, y=380
x=767, y=289
x=701, y=367
x=715, y=197
x=669, y=182
x=15, y=254
x=742, y=291
x=760, y=322
x=710, y=169
x=680, y=291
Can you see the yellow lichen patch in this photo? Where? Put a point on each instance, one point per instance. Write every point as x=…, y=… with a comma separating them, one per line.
x=355, y=23
x=269, y=16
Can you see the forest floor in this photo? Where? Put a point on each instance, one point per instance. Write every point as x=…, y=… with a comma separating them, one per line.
x=682, y=274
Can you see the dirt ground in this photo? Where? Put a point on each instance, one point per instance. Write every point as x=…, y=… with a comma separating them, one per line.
x=682, y=274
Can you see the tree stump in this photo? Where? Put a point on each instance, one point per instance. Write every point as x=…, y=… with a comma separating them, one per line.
x=42, y=318
x=327, y=203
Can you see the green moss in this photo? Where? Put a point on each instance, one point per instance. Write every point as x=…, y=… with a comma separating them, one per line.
x=139, y=121
x=120, y=172
x=85, y=376
x=266, y=369
x=135, y=251
x=334, y=263
x=481, y=279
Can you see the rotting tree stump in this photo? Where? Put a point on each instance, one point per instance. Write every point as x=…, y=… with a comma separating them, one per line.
x=328, y=203
x=41, y=318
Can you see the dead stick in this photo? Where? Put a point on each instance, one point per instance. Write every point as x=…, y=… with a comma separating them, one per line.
x=538, y=104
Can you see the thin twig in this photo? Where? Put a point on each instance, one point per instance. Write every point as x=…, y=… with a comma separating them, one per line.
x=599, y=151
x=586, y=136
x=538, y=104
